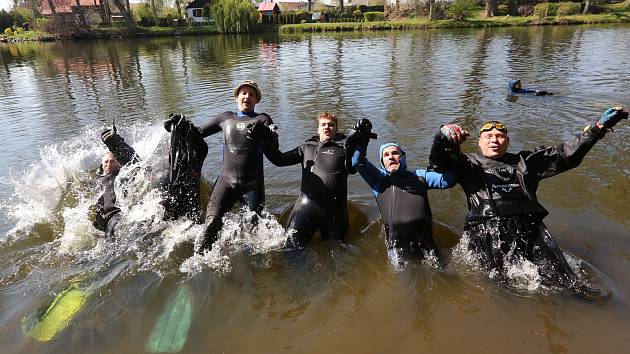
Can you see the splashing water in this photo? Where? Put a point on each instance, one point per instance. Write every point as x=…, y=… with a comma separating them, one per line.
x=244, y=231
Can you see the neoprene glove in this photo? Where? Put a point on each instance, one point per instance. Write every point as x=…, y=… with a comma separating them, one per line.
x=176, y=119
x=612, y=116
x=109, y=135
x=453, y=133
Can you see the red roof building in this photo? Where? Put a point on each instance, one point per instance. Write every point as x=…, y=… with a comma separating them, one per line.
x=65, y=6
x=268, y=8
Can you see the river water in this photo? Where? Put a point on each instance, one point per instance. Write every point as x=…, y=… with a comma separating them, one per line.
x=247, y=296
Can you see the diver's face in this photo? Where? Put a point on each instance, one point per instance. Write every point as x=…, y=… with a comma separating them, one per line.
x=493, y=143
x=246, y=99
x=326, y=128
x=110, y=164
x=517, y=85
x=391, y=158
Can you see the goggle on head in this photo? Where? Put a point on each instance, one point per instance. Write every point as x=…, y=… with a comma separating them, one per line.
x=493, y=124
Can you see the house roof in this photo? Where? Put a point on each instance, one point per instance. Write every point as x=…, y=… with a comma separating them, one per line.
x=197, y=4
x=65, y=6
x=267, y=6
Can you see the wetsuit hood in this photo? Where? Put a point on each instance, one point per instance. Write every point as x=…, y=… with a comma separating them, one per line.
x=403, y=159
x=511, y=85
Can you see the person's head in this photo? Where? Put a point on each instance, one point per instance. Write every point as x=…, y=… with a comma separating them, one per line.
x=493, y=139
x=392, y=157
x=247, y=95
x=110, y=164
x=326, y=126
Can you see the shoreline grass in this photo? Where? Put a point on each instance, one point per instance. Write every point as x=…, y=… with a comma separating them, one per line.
x=614, y=14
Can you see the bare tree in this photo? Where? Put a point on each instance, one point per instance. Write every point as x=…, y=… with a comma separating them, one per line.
x=81, y=15
x=587, y=5
x=53, y=10
x=491, y=8
x=179, y=9
x=123, y=7
x=340, y=5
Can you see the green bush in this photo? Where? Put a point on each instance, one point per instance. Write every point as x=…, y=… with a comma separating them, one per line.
x=569, y=8
x=10, y=18
x=235, y=16
x=357, y=13
x=374, y=16
x=462, y=9
x=545, y=9
x=8, y=31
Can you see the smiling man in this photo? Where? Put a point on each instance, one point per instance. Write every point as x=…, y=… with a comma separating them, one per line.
x=241, y=178
x=322, y=203
x=504, y=223
x=401, y=196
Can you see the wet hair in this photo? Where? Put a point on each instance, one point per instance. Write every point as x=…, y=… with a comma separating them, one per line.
x=327, y=115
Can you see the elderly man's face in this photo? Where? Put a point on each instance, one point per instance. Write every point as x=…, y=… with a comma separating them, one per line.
x=110, y=164
x=493, y=143
x=391, y=158
x=246, y=99
x=326, y=128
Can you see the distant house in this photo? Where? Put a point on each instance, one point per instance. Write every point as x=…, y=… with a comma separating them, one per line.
x=268, y=9
x=91, y=9
x=293, y=5
x=195, y=11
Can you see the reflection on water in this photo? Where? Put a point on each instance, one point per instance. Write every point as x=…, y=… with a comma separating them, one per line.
x=248, y=295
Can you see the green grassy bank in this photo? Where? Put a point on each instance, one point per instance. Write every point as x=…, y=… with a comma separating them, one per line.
x=616, y=13
x=613, y=13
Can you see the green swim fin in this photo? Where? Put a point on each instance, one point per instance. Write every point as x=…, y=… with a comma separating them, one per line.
x=171, y=330
x=45, y=326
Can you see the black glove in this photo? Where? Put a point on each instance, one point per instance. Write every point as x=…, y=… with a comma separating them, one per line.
x=174, y=119
x=364, y=126
x=109, y=136
x=360, y=134
x=542, y=93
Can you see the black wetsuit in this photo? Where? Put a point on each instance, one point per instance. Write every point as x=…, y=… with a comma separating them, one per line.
x=241, y=177
x=404, y=205
x=502, y=203
x=107, y=213
x=187, y=153
x=180, y=187
x=323, y=199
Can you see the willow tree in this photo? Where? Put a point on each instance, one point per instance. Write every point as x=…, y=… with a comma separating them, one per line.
x=235, y=16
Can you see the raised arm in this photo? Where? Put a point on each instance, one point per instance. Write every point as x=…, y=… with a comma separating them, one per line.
x=370, y=174
x=438, y=180
x=550, y=161
x=446, y=153
x=117, y=145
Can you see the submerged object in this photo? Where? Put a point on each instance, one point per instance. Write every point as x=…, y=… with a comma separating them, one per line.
x=45, y=325
x=47, y=322
x=171, y=330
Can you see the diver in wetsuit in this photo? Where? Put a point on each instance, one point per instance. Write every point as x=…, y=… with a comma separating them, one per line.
x=401, y=196
x=516, y=88
x=505, y=220
x=241, y=177
x=323, y=199
x=180, y=188
x=106, y=214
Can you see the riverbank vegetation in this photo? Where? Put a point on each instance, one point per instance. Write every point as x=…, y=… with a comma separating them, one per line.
x=27, y=21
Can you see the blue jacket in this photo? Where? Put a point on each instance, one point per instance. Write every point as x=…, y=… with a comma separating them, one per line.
x=402, y=199
x=525, y=91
